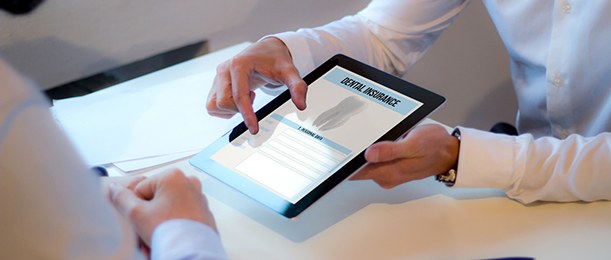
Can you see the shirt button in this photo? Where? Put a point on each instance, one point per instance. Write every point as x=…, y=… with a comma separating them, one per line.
x=557, y=81
x=566, y=8
x=563, y=133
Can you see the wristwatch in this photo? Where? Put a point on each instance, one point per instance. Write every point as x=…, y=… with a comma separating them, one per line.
x=449, y=178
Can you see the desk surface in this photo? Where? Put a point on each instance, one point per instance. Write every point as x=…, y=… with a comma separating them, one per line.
x=418, y=220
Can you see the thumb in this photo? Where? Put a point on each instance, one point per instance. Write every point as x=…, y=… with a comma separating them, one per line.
x=195, y=181
x=387, y=151
x=124, y=200
x=296, y=86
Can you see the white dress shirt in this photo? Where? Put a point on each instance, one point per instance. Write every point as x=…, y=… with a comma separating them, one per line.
x=561, y=74
x=186, y=239
x=51, y=204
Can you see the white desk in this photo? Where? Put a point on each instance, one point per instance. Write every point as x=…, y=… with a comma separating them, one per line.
x=418, y=220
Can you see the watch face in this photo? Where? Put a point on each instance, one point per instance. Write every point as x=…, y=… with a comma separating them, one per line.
x=19, y=6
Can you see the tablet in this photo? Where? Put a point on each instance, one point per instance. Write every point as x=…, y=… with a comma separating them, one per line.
x=299, y=156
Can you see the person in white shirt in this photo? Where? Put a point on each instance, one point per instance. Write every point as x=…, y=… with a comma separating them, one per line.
x=561, y=75
x=52, y=205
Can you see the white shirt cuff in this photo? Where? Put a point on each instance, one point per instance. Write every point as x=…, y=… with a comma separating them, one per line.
x=299, y=49
x=186, y=239
x=485, y=160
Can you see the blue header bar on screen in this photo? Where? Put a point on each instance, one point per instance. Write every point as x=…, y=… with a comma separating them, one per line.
x=372, y=91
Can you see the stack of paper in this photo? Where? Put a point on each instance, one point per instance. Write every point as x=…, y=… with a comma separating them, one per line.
x=137, y=126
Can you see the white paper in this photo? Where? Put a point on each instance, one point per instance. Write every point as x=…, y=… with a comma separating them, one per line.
x=139, y=164
x=145, y=121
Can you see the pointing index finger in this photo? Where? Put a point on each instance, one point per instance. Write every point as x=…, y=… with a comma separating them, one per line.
x=241, y=95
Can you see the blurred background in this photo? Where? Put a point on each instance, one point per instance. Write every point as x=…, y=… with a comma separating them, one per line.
x=67, y=40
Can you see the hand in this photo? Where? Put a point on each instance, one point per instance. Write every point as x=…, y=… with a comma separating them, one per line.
x=128, y=182
x=165, y=196
x=265, y=62
x=425, y=151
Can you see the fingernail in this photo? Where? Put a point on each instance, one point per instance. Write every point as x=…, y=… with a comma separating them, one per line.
x=372, y=155
x=249, y=126
x=251, y=129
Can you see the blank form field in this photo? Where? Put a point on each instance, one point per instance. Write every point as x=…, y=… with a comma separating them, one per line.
x=316, y=148
x=306, y=155
x=273, y=175
x=290, y=162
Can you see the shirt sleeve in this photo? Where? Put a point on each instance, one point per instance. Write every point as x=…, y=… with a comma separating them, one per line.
x=186, y=239
x=388, y=34
x=52, y=205
x=529, y=169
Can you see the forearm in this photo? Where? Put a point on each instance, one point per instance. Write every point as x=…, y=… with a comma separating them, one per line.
x=390, y=35
x=528, y=169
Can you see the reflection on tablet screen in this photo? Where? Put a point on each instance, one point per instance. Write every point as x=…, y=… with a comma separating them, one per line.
x=295, y=151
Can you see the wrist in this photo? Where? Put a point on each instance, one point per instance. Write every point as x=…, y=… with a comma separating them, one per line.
x=449, y=176
x=277, y=43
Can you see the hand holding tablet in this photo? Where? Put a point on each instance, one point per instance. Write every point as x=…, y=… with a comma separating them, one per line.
x=298, y=156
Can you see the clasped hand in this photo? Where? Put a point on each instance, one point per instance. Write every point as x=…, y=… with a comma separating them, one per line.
x=148, y=202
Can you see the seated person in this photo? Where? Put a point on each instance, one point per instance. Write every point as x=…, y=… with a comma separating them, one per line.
x=52, y=204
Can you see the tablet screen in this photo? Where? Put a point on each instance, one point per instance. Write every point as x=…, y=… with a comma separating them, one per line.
x=297, y=151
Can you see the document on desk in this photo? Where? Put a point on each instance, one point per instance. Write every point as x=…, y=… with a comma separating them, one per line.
x=125, y=123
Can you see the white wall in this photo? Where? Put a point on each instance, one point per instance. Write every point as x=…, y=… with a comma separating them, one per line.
x=70, y=39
